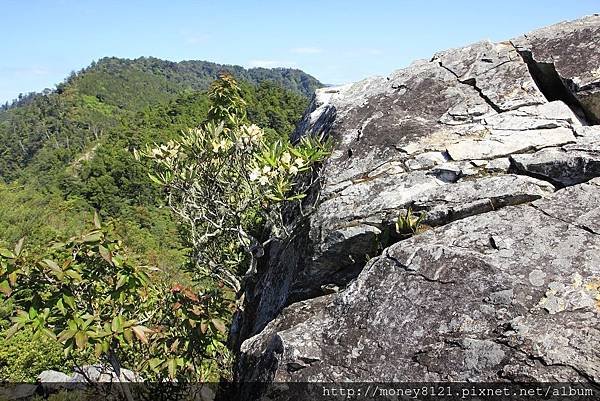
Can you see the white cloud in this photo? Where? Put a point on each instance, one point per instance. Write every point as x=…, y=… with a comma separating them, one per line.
x=39, y=71
x=35, y=71
x=271, y=63
x=197, y=39
x=306, y=50
x=373, y=52
x=363, y=52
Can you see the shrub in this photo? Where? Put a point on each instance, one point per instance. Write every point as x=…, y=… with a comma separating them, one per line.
x=21, y=359
x=87, y=295
x=224, y=178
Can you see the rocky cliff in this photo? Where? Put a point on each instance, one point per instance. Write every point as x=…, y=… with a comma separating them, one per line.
x=497, y=144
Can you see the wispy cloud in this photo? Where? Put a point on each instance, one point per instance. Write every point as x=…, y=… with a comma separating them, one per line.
x=39, y=71
x=193, y=37
x=306, y=50
x=364, y=52
x=271, y=63
x=26, y=71
x=197, y=39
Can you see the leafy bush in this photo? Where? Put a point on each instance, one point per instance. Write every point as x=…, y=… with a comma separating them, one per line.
x=86, y=294
x=225, y=176
x=21, y=360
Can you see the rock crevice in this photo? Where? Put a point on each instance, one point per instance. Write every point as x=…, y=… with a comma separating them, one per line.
x=555, y=88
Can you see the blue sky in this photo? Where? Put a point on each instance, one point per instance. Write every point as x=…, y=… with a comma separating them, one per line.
x=337, y=41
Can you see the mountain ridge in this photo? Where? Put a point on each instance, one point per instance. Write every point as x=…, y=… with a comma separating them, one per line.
x=205, y=72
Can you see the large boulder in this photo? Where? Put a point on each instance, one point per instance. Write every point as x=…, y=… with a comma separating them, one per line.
x=502, y=285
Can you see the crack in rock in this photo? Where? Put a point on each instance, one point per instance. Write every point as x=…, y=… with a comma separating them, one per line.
x=472, y=82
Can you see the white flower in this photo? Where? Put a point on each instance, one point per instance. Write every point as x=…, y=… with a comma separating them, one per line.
x=225, y=144
x=216, y=146
x=293, y=170
x=263, y=180
x=255, y=133
x=299, y=162
x=254, y=174
x=286, y=158
x=266, y=169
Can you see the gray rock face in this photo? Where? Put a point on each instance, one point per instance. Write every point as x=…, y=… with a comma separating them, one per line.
x=505, y=295
x=567, y=165
x=104, y=374
x=53, y=376
x=476, y=141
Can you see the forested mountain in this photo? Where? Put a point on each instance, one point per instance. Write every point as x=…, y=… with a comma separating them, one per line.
x=67, y=152
x=90, y=102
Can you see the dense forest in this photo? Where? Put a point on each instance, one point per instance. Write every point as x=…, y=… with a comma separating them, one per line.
x=68, y=152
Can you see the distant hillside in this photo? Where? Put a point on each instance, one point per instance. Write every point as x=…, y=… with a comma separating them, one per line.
x=92, y=101
x=135, y=83
x=197, y=75
x=66, y=152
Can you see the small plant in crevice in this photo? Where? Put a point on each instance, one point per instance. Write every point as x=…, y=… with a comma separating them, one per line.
x=409, y=224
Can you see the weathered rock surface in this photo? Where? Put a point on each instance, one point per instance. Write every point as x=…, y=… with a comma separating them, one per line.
x=502, y=286
x=559, y=58
x=89, y=373
x=567, y=165
x=512, y=294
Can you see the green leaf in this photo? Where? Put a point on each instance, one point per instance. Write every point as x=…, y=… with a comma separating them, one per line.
x=66, y=334
x=49, y=333
x=69, y=300
x=81, y=339
x=172, y=367
x=74, y=275
x=117, y=324
x=155, y=179
x=72, y=325
x=67, y=350
x=143, y=277
x=52, y=264
x=22, y=317
x=105, y=253
x=123, y=279
x=128, y=334
x=117, y=260
x=88, y=322
x=154, y=363
x=60, y=306
x=19, y=246
x=5, y=288
x=54, y=268
x=6, y=253
x=92, y=237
